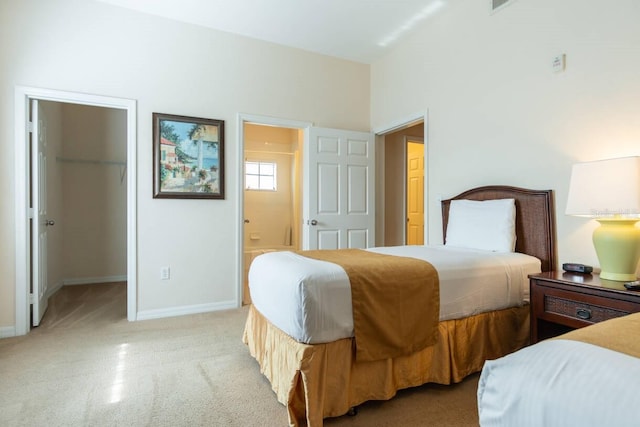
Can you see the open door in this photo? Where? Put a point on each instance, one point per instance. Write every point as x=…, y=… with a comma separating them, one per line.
x=39, y=220
x=415, y=193
x=338, y=196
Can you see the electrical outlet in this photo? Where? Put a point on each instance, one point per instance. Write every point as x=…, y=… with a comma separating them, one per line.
x=165, y=273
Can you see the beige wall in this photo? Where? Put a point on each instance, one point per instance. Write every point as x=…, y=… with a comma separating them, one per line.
x=175, y=68
x=498, y=114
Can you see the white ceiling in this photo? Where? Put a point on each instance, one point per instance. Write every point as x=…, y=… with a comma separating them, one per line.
x=358, y=30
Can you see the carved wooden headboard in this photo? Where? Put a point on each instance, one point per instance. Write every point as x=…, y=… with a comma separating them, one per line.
x=535, y=219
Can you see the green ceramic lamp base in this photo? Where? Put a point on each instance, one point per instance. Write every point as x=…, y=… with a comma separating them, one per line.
x=617, y=244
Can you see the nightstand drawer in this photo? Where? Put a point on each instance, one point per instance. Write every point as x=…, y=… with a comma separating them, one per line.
x=579, y=310
x=561, y=302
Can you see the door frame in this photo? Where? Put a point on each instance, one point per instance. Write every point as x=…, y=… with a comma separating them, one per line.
x=23, y=96
x=380, y=132
x=259, y=120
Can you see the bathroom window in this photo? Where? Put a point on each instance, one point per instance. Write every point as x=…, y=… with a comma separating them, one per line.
x=260, y=176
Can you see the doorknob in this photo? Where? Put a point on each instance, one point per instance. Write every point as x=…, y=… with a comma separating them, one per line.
x=314, y=222
x=246, y=221
x=49, y=222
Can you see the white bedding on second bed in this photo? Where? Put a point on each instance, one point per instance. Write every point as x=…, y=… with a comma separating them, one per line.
x=310, y=300
x=560, y=383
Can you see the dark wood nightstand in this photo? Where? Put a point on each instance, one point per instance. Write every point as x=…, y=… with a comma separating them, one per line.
x=561, y=302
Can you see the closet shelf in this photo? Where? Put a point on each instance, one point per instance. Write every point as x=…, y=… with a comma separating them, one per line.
x=96, y=162
x=123, y=165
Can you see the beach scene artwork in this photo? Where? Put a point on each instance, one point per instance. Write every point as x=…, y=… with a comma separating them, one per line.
x=189, y=156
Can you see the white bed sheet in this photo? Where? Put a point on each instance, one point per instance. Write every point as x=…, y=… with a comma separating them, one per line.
x=310, y=300
x=560, y=383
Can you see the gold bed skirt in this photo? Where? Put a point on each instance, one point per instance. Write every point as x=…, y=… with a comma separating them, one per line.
x=324, y=380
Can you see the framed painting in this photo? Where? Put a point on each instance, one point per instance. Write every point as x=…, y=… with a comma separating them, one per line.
x=188, y=157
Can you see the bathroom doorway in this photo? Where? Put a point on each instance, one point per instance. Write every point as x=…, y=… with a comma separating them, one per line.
x=272, y=192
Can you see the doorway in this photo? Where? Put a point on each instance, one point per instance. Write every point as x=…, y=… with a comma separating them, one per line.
x=272, y=192
x=337, y=189
x=273, y=142
x=399, y=218
x=25, y=249
x=86, y=168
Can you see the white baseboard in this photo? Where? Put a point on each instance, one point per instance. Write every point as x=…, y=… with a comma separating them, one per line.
x=94, y=280
x=184, y=310
x=10, y=331
x=7, y=331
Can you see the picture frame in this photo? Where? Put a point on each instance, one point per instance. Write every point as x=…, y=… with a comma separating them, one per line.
x=188, y=157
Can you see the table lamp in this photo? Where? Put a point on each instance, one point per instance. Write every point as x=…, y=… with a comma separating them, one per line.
x=609, y=192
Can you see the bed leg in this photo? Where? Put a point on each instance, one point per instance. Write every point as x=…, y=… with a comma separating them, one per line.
x=353, y=411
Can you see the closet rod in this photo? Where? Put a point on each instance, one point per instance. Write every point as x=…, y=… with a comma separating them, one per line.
x=97, y=162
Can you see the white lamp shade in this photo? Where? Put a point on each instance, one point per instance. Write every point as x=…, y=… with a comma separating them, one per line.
x=605, y=188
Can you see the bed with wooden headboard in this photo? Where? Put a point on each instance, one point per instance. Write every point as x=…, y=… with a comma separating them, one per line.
x=316, y=380
x=535, y=219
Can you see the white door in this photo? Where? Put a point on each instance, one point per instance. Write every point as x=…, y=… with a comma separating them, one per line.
x=39, y=220
x=338, y=196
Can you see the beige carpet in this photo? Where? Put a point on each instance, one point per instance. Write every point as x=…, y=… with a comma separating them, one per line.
x=86, y=365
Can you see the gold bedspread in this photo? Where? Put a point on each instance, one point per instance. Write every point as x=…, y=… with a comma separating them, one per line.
x=619, y=334
x=324, y=380
x=395, y=300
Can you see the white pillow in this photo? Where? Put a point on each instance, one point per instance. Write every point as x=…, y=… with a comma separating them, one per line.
x=488, y=225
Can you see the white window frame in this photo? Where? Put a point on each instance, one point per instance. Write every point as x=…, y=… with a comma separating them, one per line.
x=271, y=163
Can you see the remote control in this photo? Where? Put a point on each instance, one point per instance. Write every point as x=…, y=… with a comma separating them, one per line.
x=634, y=286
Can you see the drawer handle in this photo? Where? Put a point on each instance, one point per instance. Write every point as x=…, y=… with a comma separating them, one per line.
x=583, y=313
